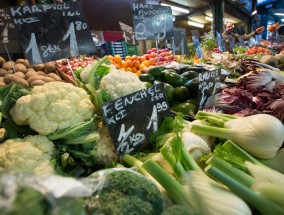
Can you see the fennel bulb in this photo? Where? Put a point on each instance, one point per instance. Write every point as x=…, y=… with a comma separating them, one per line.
x=261, y=135
x=212, y=198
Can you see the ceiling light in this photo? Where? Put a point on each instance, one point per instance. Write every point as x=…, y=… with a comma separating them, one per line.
x=279, y=14
x=282, y=20
x=176, y=8
x=174, y=18
x=209, y=18
x=196, y=24
x=254, y=12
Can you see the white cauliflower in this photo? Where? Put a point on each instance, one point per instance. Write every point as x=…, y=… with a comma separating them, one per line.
x=31, y=154
x=53, y=106
x=120, y=83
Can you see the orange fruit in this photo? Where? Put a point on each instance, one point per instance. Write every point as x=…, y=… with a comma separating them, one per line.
x=153, y=61
x=138, y=72
x=142, y=58
x=276, y=25
x=134, y=69
x=128, y=69
x=142, y=66
x=134, y=57
x=110, y=57
x=129, y=63
x=136, y=63
x=127, y=58
x=123, y=64
x=117, y=58
x=146, y=63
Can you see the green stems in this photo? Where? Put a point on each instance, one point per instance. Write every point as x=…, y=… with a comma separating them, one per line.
x=264, y=205
x=174, y=189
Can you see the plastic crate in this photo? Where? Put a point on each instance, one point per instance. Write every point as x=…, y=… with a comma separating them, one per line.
x=130, y=49
x=114, y=48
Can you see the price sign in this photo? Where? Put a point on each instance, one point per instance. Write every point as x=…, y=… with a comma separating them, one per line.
x=220, y=42
x=133, y=118
x=8, y=31
x=52, y=31
x=209, y=84
x=152, y=22
x=128, y=33
x=180, y=42
x=196, y=43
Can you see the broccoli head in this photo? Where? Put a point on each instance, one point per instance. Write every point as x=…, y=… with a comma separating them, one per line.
x=124, y=192
x=177, y=210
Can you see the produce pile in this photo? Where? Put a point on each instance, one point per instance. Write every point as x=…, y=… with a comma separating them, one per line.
x=57, y=156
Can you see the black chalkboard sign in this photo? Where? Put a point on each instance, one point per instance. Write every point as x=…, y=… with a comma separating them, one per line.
x=128, y=33
x=133, y=118
x=8, y=32
x=152, y=22
x=209, y=84
x=179, y=46
x=52, y=31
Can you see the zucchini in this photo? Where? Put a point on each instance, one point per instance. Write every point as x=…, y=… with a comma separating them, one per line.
x=173, y=78
x=181, y=93
x=145, y=77
x=185, y=108
x=190, y=74
x=169, y=90
x=156, y=71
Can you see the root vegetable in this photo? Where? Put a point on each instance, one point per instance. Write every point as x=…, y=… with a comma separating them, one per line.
x=49, y=67
x=19, y=67
x=37, y=83
x=54, y=76
x=4, y=72
x=41, y=73
x=24, y=61
x=32, y=73
x=14, y=78
x=39, y=67
x=40, y=77
x=8, y=65
x=20, y=74
x=2, y=84
x=2, y=61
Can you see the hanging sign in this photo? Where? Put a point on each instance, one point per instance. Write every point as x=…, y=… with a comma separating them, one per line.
x=152, y=22
x=196, y=43
x=133, y=118
x=128, y=33
x=8, y=31
x=52, y=31
x=220, y=42
x=179, y=46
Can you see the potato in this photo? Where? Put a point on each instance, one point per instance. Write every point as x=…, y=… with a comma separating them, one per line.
x=37, y=83
x=20, y=74
x=49, y=67
x=39, y=77
x=8, y=65
x=24, y=61
x=2, y=61
x=54, y=76
x=41, y=73
x=19, y=67
x=39, y=67
x=1, y=79
x=4, y=72
x=31, y=69
x=31, y=73
x=2, y=84
x=13, y=78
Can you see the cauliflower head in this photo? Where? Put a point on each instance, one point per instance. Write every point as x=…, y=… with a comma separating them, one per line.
x=53, y=106
x=120, y=83
x=30, y=154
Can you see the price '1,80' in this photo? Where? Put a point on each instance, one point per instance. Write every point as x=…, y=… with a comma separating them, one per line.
x=49, y=48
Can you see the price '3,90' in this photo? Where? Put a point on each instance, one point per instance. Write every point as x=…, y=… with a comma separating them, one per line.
x=53, y=48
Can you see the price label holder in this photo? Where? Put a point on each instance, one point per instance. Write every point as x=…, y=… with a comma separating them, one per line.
x=220, y=42
x=209, y=84
x=128, y=34
x=196, y=43
x=152, y=22
x=133, y=118
x=49, y=32
x=179, y=42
